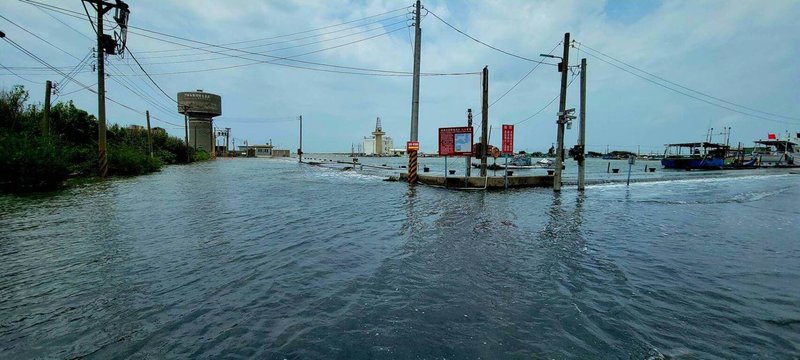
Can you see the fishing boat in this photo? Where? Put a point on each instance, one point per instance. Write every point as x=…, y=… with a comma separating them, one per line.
x=776, y=153
x=695, y=156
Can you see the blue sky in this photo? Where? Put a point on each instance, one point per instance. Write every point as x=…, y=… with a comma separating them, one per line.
x=740, y=52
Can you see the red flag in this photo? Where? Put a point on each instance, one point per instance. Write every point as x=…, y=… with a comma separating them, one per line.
x=771, y=136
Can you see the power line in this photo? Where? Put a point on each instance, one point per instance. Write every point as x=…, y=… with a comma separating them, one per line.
x=18, y=75
x=45, y=63
x=39, y=37
x=149, y=77
x=346, y=69
x=546, y=106
x=523, y=78
x=687, y=94
x=300, y=32
x=485, y=44
x=684, y=87
x=297, y=39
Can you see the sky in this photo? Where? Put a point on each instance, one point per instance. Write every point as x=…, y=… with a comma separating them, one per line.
x=733, y=64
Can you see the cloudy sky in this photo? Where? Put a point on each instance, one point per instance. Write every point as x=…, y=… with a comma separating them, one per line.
x=734, y=61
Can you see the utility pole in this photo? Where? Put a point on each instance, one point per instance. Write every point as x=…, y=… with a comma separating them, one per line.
x=106, y=44
x=227, y=140
x=101, y=93
x=469, y=158
x=186, y=133
x=484, y=120
x=582, y=131
x=562, y=119
x=48, y=89
x=300, y=150
x=149, y=134
x=412, y=154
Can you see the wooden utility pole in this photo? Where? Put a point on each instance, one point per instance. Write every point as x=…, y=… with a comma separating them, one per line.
x=562, y=116
x=48, y=89
x=412, y=154
x=485, y=120
x=149, y=134
x=582, y=131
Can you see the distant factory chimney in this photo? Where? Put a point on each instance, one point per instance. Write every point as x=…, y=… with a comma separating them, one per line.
x=378, y=133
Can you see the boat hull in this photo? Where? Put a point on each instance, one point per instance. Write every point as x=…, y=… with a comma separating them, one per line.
x=693, y=163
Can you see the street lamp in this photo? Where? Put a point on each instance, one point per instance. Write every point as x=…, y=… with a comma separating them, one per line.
x=551, y=56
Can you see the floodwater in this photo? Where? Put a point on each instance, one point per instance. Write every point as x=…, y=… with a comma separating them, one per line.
x=262, y=258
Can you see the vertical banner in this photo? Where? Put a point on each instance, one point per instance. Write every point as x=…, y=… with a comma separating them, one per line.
x=508, y=139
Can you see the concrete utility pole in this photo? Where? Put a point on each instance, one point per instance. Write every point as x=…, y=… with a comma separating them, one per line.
x=562, y=107
x=582, y=131
x=48, y=89
x=149, y=134
x=485, y=120
x=300, y=150
x=186, y=133
x=106, y=42
x=101, y=93
x=412, y=154
x=469, y=158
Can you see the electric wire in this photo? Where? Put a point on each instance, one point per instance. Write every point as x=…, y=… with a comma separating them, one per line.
x=684, y=87
x=18, y=75
x=39, y=37
x=149, y=77
x=547, y=105
x=685, y=93
x=485, y=44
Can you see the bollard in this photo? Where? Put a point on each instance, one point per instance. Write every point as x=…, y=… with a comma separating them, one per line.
x=608, y=170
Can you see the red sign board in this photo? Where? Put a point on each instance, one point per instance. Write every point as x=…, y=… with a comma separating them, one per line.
x=412, y=146
x=455, y=141
x=508, y=139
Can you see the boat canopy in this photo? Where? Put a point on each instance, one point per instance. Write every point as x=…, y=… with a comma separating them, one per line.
x=698, y=145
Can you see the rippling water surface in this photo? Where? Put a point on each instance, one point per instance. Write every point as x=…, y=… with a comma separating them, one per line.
x=240, y=258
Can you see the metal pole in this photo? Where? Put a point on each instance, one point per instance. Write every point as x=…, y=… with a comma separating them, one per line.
x=562, y=106
x=149, y=134
x=485, y=120
x=101, y=96
x=300, y=150
x=582, y=130
x=445, y=172
x=412, y=155
x=48, y=88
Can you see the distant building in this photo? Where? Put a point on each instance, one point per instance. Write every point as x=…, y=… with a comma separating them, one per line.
x=378, y=144
x=260, y=150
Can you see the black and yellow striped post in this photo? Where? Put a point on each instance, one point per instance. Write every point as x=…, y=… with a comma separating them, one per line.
x=103, y=162
x=412, y=147
x=412, y=167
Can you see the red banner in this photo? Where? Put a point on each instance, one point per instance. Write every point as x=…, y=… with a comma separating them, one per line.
x=455, y=141
x=508, y=139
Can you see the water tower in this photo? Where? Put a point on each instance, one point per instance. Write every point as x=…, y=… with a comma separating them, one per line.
x=200, y=107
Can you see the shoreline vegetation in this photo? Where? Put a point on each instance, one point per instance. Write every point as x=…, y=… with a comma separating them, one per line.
x=32, y=160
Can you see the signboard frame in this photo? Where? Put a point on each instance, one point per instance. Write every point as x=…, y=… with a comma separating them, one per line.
x=456, y=141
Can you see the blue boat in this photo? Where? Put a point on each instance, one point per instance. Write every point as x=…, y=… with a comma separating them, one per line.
x=695, y=156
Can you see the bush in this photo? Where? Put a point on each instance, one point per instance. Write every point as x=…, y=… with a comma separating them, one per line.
x=32, y=162
x=200, y=155
x=128, y=161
